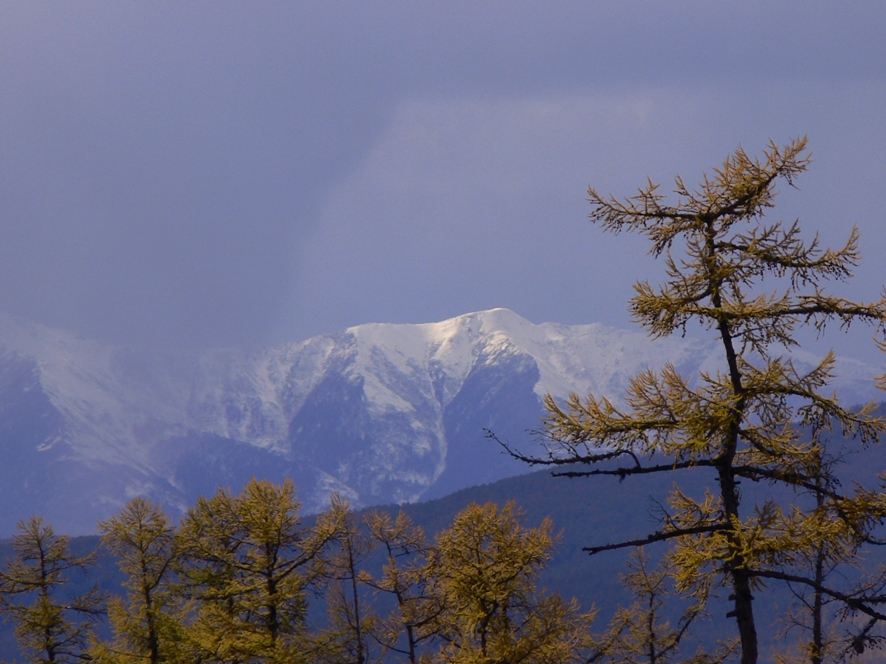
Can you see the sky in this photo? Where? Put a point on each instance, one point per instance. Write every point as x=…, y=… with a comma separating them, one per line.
x=236, y=174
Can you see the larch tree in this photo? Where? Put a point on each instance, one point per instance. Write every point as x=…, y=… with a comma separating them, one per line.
x=346, y=639
x=415, y=619
x=486, y=565
x=50, y=624
x=641, y=632
x=147, y=621
x=751, y=283
x=816, y=615
x=246, y=563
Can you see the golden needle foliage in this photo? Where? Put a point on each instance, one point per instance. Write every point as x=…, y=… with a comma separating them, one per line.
x=486, y=565
x=742, y=422
x=246, y=563
x=50, y=626
x=146, y=621
x=642, y=633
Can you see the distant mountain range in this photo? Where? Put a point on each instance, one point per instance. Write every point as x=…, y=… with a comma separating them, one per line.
x=380, y=413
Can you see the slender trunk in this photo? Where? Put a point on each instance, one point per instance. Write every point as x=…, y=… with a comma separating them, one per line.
x=401, y=603
x=150, y=622
x=650, y=622
x=410, y=628
x=273, y=620
x=153, y=640
x=743, y=610
x=817, y=653
x=358, y=627
x=48, y=636
x=817, y=605
x=49, y=642
x=44, y=592
x=271, y=580
x=410, y=636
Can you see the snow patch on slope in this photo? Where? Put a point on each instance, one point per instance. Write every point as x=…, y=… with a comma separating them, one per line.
x=120, y=405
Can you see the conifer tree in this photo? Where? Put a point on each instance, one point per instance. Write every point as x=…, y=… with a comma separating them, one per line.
x=486, y=564
x=246, y=563
x=415, y=619
x=640, y=633
x=50, y=625
x=145, y=624
x=815, y=615
x=351, y=620
x=741, y=422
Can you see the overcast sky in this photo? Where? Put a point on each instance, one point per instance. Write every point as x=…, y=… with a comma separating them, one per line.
x=182, y=174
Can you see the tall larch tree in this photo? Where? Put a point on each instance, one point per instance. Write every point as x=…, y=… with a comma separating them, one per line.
x=346, y=639
x=751, y=283
x=51, y=625
x=147, y=622
x=247, y=562
x=486, y=566
x=641, y=633
x=418, y=605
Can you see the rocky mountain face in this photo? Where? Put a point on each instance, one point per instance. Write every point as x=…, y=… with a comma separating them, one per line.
x=379, y=413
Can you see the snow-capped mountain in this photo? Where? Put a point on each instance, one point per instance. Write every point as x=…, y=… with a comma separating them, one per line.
x=379, y=413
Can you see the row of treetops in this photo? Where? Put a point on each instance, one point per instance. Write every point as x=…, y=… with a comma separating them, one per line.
x=232, y=583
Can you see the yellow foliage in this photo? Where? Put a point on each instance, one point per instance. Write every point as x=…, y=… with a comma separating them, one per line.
x=486, y=564
x=742, y=422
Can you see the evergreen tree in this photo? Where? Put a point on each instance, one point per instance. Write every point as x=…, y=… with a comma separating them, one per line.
x=145, y=624
x=739, y=423
x=415, y=619
x=246, y=563
x=351, y=620
x=50, y=625
x=486, y=565
x=640, y=632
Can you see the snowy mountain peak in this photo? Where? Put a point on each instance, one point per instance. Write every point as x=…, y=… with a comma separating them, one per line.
x=379, y=412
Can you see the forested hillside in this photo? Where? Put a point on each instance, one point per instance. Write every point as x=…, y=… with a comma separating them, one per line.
x=584, y=511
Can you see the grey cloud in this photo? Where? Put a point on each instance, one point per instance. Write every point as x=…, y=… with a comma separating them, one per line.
x=165, y=169
x=470, y=205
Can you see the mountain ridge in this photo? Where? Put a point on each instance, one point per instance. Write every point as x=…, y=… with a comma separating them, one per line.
x=379, y=413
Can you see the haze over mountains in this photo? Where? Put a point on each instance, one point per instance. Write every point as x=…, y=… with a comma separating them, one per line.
x=380, y=413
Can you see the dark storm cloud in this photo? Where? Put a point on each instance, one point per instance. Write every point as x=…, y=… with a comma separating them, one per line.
x=164, y=168
x=157, y=166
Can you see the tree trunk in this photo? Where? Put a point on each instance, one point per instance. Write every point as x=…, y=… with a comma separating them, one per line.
x=743, y=610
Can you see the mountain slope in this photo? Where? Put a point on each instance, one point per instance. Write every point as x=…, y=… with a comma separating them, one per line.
x=379, y=413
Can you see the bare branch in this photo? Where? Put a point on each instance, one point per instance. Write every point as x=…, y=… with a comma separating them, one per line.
x=661, y=536
x=860, y=604
x=621, y=473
